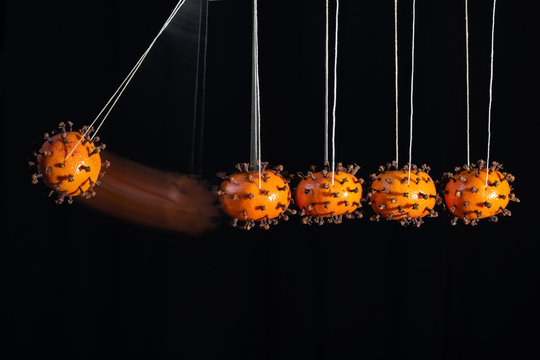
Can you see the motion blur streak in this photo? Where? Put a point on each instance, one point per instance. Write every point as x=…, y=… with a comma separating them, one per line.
x=155, y=198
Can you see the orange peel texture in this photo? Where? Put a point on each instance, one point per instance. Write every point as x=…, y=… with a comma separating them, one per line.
x=393, y=196
x=249, y=198
x=76, y=175
x=468, y=198
x=319, y=200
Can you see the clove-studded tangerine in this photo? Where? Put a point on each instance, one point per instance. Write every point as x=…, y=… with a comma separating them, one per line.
x=73, y=175
x=320, y=200
x=395, y=196
x=250, y=196
x=469, y=198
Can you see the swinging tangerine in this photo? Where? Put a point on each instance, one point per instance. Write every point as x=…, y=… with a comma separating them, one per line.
x=73, y=175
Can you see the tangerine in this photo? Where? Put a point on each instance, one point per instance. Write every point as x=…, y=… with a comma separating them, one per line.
x=395, y=196
x=73, y=175
x=254, y=197
x=319, y=199
x=470, y=198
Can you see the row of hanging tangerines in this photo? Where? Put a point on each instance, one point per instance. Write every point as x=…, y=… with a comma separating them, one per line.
x=70, y=164
x=263, y=197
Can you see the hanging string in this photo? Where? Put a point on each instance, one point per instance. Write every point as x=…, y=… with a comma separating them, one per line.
x=335, y=93
x=326, y=80
x=199, y=99
x=396, y=76
x=256, y=98
x=468, y=81
x=412, y=89
x=490, y=87
x=258, y=114
x=120, y=90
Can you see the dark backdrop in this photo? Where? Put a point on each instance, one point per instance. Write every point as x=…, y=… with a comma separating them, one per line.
x=79, y=284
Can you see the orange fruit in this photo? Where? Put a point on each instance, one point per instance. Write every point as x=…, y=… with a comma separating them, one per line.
x=246, y=196
x=468, y=198
x=72, y=176
x=393, y=196
x=318, y=199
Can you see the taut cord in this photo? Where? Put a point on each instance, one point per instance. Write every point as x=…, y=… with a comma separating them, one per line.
x=412, y=90
x=335, y=93
x=255, y=154
x=120, y=90
x=396, y=66
x=468, y=80
x=490, y=88
x=326, y=80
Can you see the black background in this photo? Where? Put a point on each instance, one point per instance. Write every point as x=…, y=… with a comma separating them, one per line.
x=79, y=284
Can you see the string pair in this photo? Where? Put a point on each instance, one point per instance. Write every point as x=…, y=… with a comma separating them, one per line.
x=106, y=110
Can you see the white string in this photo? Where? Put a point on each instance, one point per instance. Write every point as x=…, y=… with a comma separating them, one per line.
x=257, y=100
x=468, y=81
x=335, y=94
x=490, y=88
x=412, y=89
x=396, y=75
x=120, y=90
x=326, y=81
